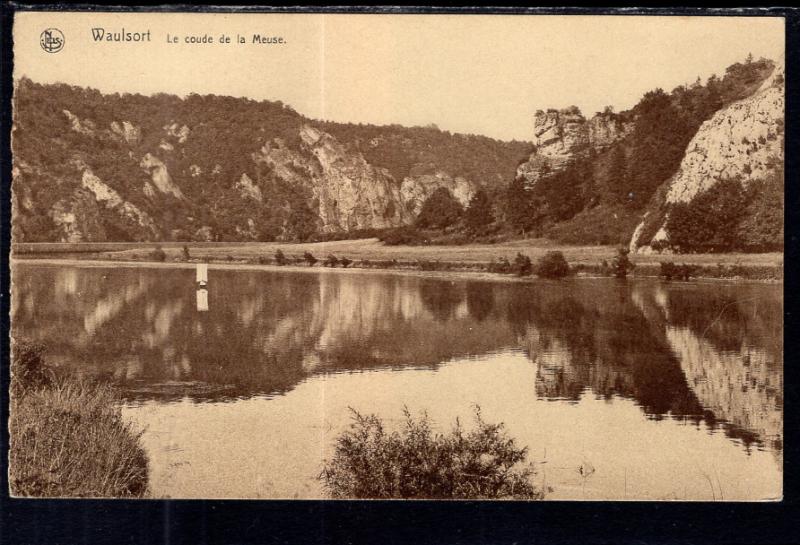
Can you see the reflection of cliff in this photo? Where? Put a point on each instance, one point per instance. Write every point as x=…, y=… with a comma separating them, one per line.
x=599, y=340
x=737, y=387
x=730, y=350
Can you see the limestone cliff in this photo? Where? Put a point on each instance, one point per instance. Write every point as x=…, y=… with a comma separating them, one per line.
x=742, y=141
x=561, y=136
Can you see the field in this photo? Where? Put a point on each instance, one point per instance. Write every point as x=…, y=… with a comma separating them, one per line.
x=375, y=251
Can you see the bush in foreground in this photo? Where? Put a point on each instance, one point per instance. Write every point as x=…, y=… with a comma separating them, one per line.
x=416, y=462
x=552, y=265
x=68, y=438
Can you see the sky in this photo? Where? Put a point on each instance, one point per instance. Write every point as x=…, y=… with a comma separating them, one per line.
x=480, y=74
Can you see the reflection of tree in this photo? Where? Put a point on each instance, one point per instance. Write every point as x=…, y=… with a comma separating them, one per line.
x=480, y=300
x=440, y=298
x=607, y=346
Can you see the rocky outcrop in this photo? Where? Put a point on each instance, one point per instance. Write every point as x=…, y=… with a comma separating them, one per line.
x=741, y=141
x=126, y=131
x=415, y=190
x=160, y=175
x=83, y=127
x=561, y=136
x=78, y=218
x=176, y=131
x=110, y=199
x=248, y=188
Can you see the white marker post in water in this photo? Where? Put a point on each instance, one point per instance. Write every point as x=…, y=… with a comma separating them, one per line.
x=202, y=275
x=202, y=287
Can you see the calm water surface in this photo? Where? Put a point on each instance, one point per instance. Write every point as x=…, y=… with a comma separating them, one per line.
x=637, y=390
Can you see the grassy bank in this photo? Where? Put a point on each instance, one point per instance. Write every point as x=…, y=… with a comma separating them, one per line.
x=373, y=254
x=68, y=437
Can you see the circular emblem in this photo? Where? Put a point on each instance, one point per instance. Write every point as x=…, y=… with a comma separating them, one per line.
x=52, y=40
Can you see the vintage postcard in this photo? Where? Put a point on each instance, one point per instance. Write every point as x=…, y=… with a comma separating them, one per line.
x=440, y=256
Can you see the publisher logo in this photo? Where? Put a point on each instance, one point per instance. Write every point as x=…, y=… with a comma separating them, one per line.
x=52, y=40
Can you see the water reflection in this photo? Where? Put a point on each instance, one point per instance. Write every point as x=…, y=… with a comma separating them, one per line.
x=707, y=354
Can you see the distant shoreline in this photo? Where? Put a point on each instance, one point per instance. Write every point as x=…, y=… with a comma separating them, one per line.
x=463, y=271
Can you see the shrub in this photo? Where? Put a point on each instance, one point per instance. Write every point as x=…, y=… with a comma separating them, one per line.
x=28, y=369
x=309, y=258
x=280, y=259
x=523, y=265
x=70, y=440
x=678, y=272
x=331, y=261
x=552, y=265
x=415, y=462
x=621, y=265
x=345, y=262
x=659, y=245
x=501, y=266
x=402, y=235
x=158, y=254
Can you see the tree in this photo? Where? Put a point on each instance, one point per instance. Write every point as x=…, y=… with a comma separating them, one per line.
x=519, y=207
x=440, y=210
x=479, y=210
x=280, y=258
x=621, y=265
x=309, y=258
x=710, y=221
x=523, y=265
x=618, y=175
x=552, y=265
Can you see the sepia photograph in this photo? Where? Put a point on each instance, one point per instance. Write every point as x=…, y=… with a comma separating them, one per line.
x=397, y=256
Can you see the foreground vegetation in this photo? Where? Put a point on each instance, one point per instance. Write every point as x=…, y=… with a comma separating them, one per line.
x=416, y=462
x=68, y=438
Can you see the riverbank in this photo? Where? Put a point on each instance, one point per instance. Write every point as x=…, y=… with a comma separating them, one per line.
x=68, y=437
x=371, y=254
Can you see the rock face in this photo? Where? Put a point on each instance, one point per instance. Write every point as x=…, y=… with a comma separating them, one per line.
x=161, y=178
x=350, y=192
x=415, y=190
x=108, y=197
x=563, y=135
x=743, y=140
x=79, y=218
x=249, y=189
x=127, y=131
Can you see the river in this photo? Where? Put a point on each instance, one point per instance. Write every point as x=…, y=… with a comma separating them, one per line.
x=620, y=390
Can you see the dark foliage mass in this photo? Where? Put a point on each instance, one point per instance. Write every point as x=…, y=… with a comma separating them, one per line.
x=416, y=462
x=552, y=265
x=731, y=217
x=440, y=210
